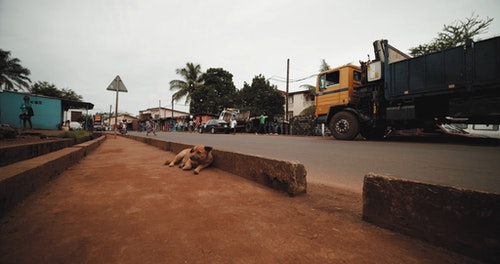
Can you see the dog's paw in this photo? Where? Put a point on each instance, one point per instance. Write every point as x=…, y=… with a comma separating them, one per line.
x=196, y=172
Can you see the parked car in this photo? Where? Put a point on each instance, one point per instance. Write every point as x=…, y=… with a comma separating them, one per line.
x=75, y=126
x=98, y=127
x=214, y=126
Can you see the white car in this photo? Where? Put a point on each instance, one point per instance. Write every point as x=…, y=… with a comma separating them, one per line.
x=75, y=126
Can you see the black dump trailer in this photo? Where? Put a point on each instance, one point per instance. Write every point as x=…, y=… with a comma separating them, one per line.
x=460, y=84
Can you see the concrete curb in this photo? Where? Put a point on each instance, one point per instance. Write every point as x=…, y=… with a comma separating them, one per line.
x=13, y=154
x=20, y=179
x=281, y=175
x=461, y=220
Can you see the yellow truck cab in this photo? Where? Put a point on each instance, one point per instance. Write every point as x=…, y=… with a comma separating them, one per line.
x=334, y=90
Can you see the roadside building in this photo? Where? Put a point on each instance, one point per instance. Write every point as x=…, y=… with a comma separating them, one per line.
x=298, y=102
x=132, y=121
x=165, y=118
x=49, y=112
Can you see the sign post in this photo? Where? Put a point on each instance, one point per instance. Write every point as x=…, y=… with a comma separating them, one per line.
x=118, y=86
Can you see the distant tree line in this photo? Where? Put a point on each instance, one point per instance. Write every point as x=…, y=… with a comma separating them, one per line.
x=211, y=91
x=50, y=89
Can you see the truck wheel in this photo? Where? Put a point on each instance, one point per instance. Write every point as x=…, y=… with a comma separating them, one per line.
x=344, y=126
x=248, y=127
x=212, y=130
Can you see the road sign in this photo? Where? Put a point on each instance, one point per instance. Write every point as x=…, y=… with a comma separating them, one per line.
x=117, y=85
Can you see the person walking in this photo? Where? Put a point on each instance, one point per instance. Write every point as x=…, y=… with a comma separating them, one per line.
x=233, y=124
x=262, y=124
x=26, y=112
x=150, y=128
x=280, y=125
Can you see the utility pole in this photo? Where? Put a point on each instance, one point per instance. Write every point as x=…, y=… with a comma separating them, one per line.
x=172, y=122
x=109, y=118
x=172, y=107
x=287, y=81
x=116, y=110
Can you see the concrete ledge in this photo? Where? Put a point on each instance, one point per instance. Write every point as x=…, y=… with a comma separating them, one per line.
x=281, y=175
x=12, y=154
x=20, y=179
x=91, y=145
x=464, y=221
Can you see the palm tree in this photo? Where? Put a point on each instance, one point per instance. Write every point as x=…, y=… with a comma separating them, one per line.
x=324, y=66
x=311, y=88
x=192, y=80
x=12, y=73
x=311, y=110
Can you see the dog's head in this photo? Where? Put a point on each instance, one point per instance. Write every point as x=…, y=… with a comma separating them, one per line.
x=199, y=153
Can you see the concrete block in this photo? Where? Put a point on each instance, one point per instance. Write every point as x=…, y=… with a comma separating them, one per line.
x=464, y=221
x=164, y=145
x=281, y=175
x=91, y=145
x=20, y=179
x=177, y=147
x=12, y=154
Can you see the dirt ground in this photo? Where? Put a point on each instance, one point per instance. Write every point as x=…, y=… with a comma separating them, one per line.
x=120, y=204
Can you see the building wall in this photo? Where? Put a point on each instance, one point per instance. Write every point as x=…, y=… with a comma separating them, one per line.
x=299, y=101
x=74, y=114
x=47, y=110
x=163, y=113
x=120, y=118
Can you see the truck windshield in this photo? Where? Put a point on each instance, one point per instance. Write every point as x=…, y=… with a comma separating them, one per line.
x=329, y=79
x=357, y=76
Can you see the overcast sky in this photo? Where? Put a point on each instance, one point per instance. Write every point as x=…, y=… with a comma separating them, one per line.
x=83, y=45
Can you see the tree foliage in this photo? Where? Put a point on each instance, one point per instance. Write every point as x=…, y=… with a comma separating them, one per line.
x=12, y=73
x=324, y=66
x=454, y=35
x=261, y=98
x=309, y=111
x=211, y=92
x=49, y=89
x=216, y=93
x=191, y=75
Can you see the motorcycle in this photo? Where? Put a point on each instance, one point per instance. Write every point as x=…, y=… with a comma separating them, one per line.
x=123, y=128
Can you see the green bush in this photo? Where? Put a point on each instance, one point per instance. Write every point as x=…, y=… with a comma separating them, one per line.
x=75, y=134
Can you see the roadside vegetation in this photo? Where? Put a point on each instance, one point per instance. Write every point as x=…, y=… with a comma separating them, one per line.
x=75, y=134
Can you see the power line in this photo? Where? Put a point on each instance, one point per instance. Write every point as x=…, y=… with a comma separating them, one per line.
x=282, y=79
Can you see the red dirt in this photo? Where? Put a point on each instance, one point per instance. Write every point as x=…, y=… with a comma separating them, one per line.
x=121, y=205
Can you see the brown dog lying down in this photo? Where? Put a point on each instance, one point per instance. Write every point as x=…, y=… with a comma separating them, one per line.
x=197, y=157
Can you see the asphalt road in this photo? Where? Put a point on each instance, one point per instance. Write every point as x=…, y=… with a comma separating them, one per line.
x=472, y=165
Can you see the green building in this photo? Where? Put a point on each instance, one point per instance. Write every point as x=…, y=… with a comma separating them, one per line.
x=48, y=111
